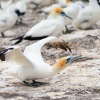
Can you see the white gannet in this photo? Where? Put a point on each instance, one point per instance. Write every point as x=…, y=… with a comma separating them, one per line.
x=72, y=10
x=18, y=4
x=22, y=7
x=47, y=10
x=88, y=16
x=53, y=25
x=61, y=3
x=30, y=64
x=8, y=19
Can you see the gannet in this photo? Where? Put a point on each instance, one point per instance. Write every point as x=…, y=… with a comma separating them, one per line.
x=53, y=25
x=61, y=3
x=30, y=64
x=88, y=16
x=22, y=6
x=8, y=19
x=72, y=10
x=18, y=4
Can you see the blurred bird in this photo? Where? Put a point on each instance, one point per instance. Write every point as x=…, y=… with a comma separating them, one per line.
x=88, y=16
x=61, y=3
x=53, y=25
x=72, y=10
x=18, y=4
x=47, y=10
x=22, y=6
x=8, y=19
x=30, y=64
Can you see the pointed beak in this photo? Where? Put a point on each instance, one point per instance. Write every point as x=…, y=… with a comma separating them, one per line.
x=64, y=14
x=4, y=51
x=71, y=59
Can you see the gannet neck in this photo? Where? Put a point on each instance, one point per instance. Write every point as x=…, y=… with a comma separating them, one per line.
x=60, y=65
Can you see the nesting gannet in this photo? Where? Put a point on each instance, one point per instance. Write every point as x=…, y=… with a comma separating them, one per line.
x=72, y=10
x=88, y=16
x=53, y=25
x=8, y=19
x=30, y=64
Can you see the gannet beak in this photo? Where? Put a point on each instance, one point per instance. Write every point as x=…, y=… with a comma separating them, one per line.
x=71, y=59
x=64, y=14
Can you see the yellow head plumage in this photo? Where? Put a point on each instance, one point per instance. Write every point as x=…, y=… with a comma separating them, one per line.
x=55, y=11
x=61, y=63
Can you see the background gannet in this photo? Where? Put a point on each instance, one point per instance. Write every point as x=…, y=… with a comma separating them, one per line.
x=18, y=4
x=61, y=3
x=8, y=19
x=30, y=64
x=72, y=10
x=53, y=25
x=88, y=16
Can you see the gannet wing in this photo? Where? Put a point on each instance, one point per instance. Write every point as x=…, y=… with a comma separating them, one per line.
x=19, y=59
x=44, y=28
x=33, y=52
x=16, y=56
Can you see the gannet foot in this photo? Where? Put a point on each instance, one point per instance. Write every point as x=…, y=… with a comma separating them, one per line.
x=67, y=30
x=28, y=84
x=2, y=34
x=22, y=24
x=37, y=84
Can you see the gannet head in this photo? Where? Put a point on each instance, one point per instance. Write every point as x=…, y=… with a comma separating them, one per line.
x=68, y=2
x=58, y=10
x=17, y=7
x=64, y=62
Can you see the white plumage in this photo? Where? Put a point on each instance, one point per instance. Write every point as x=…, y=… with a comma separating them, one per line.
x=46, y=28
x=53, y=25
x=8, y=19
x=88, y=16
x=73, y=11
x=30, y=64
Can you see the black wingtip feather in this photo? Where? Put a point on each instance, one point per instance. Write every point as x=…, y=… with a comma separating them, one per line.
x=5, y=50
x=20, y=39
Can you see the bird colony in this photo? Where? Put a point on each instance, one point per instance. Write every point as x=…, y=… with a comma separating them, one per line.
x=62, y=18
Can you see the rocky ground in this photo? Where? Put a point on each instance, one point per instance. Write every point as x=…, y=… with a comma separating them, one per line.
x=79, y=81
